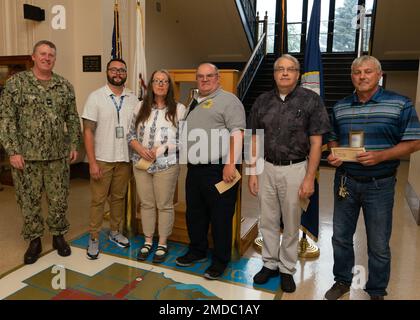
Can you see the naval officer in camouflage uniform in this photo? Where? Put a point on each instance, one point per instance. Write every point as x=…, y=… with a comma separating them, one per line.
x=40, y=131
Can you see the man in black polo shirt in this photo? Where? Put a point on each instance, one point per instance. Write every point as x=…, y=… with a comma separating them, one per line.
x=294, y=120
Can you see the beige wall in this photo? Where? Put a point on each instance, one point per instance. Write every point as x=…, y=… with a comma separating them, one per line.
x=397, y=30
x=414, y=171
x=183, y=34
x=187, y=32
x=88, y=32
x=403, y=82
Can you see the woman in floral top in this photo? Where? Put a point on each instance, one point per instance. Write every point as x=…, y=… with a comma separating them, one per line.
x=153, y=139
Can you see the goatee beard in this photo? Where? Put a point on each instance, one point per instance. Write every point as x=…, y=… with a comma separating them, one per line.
x=117, y=84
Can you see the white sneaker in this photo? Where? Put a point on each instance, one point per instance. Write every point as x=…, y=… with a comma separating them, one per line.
x=92, y=251
x=119, y=239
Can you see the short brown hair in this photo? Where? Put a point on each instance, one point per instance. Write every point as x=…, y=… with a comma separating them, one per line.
x=42, y=42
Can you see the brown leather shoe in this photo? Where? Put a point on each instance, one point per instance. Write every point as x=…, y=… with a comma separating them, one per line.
x=62, y=247
x=33, y=251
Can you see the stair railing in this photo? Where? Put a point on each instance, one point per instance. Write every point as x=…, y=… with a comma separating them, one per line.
x=254, y=62
x=246, y=9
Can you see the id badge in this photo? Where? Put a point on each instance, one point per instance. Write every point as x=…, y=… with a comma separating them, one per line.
x=356, y=139
x=119, y=132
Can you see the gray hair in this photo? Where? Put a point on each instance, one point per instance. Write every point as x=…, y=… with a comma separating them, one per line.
x=358, y=61
x=216, y=69
x=288, y=57
x=44, y=42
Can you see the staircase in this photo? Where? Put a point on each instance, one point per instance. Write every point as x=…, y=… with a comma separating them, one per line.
x=262, y=82
x=337, y=81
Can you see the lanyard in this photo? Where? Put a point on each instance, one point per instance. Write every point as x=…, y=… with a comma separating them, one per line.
x=118, y=107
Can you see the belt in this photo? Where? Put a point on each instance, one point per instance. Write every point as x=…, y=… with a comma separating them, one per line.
x=219, y=162
x=368, y=179
x=284, y=162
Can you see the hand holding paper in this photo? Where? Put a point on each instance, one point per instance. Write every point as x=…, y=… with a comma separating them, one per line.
x=347, y=154
x=304, y=203
x=223, y=186
x=143, y=164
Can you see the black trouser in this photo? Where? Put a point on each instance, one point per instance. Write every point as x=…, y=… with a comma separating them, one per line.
x=204, y=206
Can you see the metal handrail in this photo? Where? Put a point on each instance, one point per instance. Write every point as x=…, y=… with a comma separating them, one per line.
x=254, y=53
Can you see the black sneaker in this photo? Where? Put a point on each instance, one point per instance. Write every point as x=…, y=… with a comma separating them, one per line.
x=338, y=290
x=264, y=275
x=213, y=273
x=188, y=260
x=287, y=283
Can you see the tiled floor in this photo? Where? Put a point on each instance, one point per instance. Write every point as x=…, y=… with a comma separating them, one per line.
x=313, y=277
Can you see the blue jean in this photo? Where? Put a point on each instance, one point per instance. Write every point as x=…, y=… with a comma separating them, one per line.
x=376, y=198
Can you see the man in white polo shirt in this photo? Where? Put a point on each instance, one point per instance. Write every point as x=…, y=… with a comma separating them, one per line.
x=106, y=120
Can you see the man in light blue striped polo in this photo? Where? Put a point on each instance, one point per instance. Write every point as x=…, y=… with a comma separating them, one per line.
x=386, y=125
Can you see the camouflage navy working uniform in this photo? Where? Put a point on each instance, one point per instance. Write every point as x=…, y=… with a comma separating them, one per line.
x=39, y=121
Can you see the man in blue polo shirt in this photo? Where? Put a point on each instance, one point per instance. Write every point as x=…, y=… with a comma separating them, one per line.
x=387, y=126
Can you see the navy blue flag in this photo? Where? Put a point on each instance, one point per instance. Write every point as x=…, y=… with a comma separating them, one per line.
x=116, y=40
x=312, y=78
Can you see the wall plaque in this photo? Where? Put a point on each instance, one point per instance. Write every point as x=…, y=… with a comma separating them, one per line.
x=92, y=64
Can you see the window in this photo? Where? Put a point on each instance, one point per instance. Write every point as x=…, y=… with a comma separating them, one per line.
x=338, y=27
x=294, y=25
x=344, y=37
x=323, y=28
x=264, y=6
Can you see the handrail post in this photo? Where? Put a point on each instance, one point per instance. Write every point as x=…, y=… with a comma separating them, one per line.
x=257, y=27
x=265, y=29
x=361, y=31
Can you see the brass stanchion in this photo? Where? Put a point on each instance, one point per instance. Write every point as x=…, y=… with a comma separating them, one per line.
x=258, y=242
x=237, y=221
x=130, y=225
x=308, y=250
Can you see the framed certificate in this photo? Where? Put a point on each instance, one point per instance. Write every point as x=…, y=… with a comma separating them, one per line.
x=356, y=139
x=347, y=154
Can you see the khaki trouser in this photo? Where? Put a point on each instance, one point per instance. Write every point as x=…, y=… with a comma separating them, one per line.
x=157, y=190
x=114, y=182
x=278, y=198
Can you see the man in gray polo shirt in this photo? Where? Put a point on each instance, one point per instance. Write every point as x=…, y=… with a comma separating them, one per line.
x=294, y=120
x=213, y=128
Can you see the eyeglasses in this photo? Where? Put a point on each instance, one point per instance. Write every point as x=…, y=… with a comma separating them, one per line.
x=359, y=72
x=206, y=76
x=161, y=82
x=288, y=70
x=115, y=70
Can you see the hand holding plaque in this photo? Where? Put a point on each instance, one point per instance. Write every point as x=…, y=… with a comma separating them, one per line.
x=347, y=154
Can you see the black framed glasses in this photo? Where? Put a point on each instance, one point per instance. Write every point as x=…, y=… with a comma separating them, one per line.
x=160, y=82
x=116, y=70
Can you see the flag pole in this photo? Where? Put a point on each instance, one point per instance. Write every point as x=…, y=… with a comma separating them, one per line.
x=312, y=79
